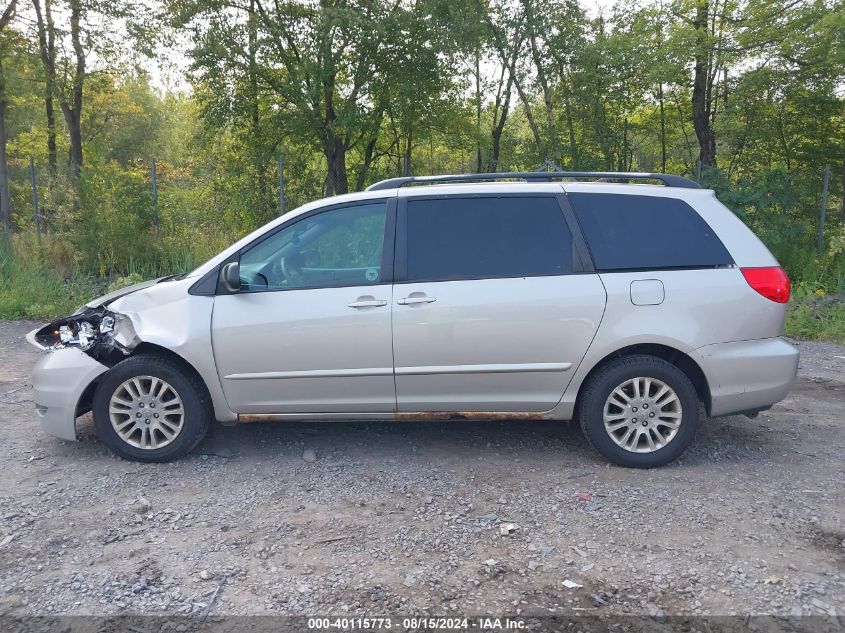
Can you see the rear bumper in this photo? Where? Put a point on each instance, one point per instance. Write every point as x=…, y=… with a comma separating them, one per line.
x=747, y=375
x=58, y=380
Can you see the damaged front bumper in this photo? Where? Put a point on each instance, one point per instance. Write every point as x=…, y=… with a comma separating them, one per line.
x=81, y=348
x=59, y=382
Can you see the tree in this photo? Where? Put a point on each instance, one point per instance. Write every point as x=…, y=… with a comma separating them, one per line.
x=64, y=45
x=659, y=73
x=46, y=32
x=706, y=69
x=5, y=197
x=507, y=34
x=535, y=27
x=416, y=84
x=66, y=83
x=322, y=62
x=70, y=95
x=499, y=114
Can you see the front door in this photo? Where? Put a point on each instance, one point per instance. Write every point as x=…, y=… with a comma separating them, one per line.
x=492, y=308
x=310, y=330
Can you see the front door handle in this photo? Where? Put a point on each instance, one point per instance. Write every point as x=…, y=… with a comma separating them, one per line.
x=412, y=300
x=368, y=303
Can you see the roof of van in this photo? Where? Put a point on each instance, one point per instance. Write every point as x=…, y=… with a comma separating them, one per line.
x=445, y=189
x=668, y=180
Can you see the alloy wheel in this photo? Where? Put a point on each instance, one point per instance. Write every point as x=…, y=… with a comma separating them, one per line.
x=146, y=412
x=642, y=415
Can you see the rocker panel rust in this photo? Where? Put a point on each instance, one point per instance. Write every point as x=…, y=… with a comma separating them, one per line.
x=457, y=416
x=417, y=416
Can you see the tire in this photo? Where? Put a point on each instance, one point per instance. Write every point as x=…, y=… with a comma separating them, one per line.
x=638, y=431
x=147, y=434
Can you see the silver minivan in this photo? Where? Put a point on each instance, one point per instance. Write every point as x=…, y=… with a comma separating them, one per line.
x=516, y=296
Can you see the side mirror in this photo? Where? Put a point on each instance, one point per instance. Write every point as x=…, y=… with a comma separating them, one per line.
x=231, y=276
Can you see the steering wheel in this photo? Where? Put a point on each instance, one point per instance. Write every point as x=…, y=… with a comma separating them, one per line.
x=284, y=268
x=288, y=271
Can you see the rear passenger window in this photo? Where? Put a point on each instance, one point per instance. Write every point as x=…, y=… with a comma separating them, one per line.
x=639, y=232
x=473, y=238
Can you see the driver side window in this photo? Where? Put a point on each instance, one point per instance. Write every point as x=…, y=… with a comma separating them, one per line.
x=341, y=247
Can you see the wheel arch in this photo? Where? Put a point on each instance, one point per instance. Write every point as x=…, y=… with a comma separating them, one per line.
x=158, y=350
x=85, y=402
x=221, y=408
x=665, y=352
x=86, y=398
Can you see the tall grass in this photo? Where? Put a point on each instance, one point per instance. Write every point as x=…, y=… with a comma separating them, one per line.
x=46, y=280
x=29, y=288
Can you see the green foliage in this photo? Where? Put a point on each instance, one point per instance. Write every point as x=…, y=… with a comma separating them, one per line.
x=123, y=282
x=817, y=319
x=115, y=221
x=30, y=287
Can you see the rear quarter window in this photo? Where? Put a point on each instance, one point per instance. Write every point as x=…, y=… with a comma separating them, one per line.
x=629, y=232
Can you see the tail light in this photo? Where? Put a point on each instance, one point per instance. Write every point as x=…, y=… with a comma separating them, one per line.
x=770, y=281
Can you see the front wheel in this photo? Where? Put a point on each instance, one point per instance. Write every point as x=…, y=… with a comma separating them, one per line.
x=151, y=408
x=639, y=411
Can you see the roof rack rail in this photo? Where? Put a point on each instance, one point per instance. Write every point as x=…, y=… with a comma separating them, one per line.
x=668, y=180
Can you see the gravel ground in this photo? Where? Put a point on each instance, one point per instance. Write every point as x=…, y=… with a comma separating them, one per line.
x=381, y=518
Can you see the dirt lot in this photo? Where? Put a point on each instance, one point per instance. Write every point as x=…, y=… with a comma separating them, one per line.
x=406, y=518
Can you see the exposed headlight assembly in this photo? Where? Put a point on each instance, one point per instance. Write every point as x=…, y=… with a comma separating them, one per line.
x=96, y=331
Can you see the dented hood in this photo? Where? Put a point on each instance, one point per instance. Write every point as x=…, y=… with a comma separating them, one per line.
x=106, y=299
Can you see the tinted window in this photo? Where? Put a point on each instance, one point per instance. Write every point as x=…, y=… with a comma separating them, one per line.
x=471, y=238
x=636, y=232
x=340, y=247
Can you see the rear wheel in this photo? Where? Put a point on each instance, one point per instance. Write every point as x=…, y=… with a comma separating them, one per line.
x=639, y=411
x=151, y=408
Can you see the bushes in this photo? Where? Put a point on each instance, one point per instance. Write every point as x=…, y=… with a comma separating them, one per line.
x=114, y=224
x=106, y=238
x=817, y=318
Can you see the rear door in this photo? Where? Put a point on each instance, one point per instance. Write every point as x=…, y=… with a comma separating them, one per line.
x=493, y=306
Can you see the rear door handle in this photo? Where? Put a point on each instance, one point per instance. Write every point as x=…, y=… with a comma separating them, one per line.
x=407, y=301
x=368, y=303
